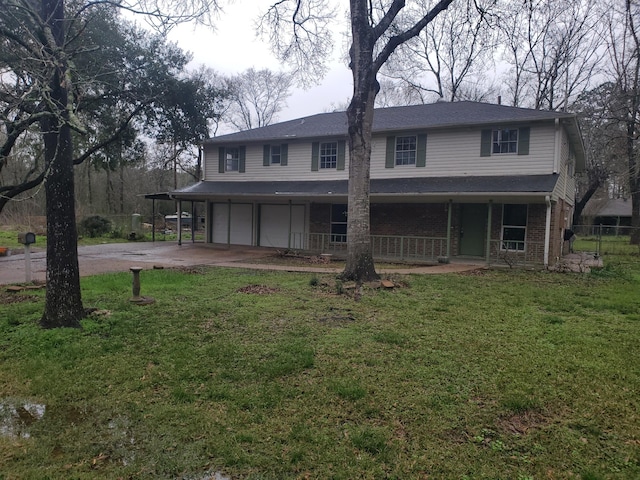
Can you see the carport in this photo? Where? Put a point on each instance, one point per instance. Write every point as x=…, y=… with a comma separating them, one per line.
x=167, y=197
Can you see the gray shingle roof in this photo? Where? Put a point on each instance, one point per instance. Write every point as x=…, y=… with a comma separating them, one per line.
x=533, y=184
x=435, y=115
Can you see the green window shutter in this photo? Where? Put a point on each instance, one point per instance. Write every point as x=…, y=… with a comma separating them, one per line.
x=315, y=156
x=421, y=151
x=485, y=143
x=341, y=155
x=390, y=159
x=284, y=154
x=266, y=155
x=221, y=160
x=242, y=154
x=523, y=140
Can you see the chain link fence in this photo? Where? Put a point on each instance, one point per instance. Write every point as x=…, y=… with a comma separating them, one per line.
x=605, y=240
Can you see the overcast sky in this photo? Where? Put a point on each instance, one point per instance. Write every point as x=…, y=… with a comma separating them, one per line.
x=234, y=47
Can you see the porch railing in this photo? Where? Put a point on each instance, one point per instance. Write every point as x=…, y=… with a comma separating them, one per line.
x=428, y=249
x=383, y=246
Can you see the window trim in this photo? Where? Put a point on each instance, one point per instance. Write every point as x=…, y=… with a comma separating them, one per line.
x=420, y=151
x=411, y=161
x=328, y=150
x=227, y=152
x=505, y=245
x=222, y=159
x=522, y=142
x=316, y=148
x=340, y=238
x=498, y=142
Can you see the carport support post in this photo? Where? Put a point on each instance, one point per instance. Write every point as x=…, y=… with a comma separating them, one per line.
x=153, y=219
x=449, y=217
x=489, y=213
x=193, y=221
x=179, y=222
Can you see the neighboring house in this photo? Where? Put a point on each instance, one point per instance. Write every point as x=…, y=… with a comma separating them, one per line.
x=613, y=214
x=461, y=179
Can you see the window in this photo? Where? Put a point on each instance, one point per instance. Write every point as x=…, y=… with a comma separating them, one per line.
x=339, y=223
x=505, y=140
x=275, y=154
x=406, y=150
x=329, y=155
x=514, y=227
x=232, y=159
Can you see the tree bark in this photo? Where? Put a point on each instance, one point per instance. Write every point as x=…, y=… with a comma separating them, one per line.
x=360, y=266
x=63, y=302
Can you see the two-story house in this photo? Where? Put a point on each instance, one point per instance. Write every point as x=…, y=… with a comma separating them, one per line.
x=448, y=180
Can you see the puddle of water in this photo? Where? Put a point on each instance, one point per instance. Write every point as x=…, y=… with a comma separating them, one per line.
x=17, y=416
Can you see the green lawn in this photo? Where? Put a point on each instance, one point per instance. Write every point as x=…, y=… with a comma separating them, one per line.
x=496, y=375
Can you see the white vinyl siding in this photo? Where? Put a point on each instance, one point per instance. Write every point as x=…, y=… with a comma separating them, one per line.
x=298, y=167
x=449, y=153
x=456, y=153
x=565, y=187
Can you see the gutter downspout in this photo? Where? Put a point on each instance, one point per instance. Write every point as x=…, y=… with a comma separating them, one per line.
x=547, y=231
x=556, y=153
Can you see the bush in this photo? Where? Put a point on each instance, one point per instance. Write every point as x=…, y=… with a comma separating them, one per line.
x=95, y=226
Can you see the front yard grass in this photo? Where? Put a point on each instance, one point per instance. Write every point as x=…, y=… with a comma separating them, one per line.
x=269, y=375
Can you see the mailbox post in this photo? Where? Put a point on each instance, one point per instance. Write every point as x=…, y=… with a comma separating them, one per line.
x=27, y=239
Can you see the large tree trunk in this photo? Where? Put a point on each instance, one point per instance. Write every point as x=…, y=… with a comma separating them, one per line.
x=63, y=302
x=360, y=266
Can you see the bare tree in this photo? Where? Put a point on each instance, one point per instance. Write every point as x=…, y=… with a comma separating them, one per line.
x=623, y=49
x=553, y=49
x=451, y=59
x=298, y=28
x=256, y=97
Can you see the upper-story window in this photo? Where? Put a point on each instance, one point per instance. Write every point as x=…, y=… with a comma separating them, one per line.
x=232, y=160
x=406, y=148
x=504, y=140
x=275, y=154
x=329, y=155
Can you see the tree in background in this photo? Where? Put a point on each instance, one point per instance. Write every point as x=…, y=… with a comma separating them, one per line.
x=41, y=93
x=553, y=50
x=256, y=97
x=623, y=54
x=450, y=58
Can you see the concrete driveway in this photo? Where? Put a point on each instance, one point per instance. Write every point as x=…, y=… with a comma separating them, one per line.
x=119, y=257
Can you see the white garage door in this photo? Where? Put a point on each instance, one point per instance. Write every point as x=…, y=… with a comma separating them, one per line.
x=275, y=222
x=241, y=223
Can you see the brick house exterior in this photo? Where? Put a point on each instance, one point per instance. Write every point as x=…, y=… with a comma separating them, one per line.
x=448, y=180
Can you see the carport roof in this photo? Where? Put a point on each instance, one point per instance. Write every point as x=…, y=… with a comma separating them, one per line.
x=500, y=185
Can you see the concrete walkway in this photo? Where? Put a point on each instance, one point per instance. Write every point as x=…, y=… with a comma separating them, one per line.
x=119, y=257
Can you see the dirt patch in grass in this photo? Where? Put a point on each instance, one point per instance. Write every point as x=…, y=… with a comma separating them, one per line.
x=7, y=298
x=258, y=290
x=521, y=423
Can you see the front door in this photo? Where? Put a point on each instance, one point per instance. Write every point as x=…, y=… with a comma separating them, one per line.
x=473, y=229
